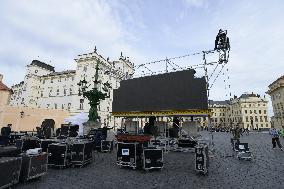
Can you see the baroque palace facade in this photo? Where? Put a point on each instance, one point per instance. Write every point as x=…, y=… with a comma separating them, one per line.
x=248, y=111
x=43, y=87
x=276, y=92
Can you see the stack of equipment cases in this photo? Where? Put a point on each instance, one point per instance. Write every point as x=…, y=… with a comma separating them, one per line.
x=10, y=169
x=129, y=154
x=201, y=158
x=58, y=155
x=45, y=142
x=153, y=158
x=106, y=146
x=33, y=166
x=26, y=144
x=81, y=152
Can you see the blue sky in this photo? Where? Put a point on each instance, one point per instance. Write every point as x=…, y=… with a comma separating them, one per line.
x=146, y=30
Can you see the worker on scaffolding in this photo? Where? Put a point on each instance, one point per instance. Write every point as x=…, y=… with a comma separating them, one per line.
x=222, y=41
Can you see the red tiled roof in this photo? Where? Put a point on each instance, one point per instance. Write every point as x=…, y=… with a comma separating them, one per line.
x=4, y=87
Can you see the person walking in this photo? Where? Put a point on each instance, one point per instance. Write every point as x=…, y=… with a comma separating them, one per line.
x=275, y=138
x=282, y=131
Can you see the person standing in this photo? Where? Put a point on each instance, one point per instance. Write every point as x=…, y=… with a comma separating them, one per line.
x=237, y=133
x=104, y=132
x=275, y=138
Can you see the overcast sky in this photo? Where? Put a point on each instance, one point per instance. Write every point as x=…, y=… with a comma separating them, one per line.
x=55, y=32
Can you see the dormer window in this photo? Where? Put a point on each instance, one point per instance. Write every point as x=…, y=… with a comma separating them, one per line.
x=36, y=71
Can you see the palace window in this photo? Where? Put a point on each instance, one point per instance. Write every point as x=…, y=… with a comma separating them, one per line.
x=62, y=106
x=81, y=104
x=64, y=92
x=55, y=106
x=69, y=106
x=57, y=92
x=261, y=119
x=246, y=111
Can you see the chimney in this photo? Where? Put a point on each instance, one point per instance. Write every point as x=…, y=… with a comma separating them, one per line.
x=1, y=77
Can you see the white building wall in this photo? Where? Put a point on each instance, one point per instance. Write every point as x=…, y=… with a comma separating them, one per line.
x=44, y=88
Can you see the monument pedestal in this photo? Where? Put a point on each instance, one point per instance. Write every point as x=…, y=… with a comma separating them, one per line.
x=90, y=125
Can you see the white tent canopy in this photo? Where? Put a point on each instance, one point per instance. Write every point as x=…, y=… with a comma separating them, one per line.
x=78, y=119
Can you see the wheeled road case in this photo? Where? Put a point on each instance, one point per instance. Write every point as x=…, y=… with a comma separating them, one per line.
x=201, y=158
x=33, y=166
x=243, y=152
x=9, y=151
x=129, y=154
x=26, y=144
x=58, y=155
x=81, y=153
x=106, y=146
x=153, y=158
x=45, y=142
x=10, y=169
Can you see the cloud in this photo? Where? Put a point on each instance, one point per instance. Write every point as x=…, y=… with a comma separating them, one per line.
x=59, y=31
x=195, y=3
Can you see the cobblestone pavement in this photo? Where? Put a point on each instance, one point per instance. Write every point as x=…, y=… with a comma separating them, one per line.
x=266, y=170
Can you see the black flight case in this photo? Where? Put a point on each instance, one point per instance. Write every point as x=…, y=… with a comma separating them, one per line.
x=26, y=144
x=33, y=166
x=201, y=158
x=58, y=155
x=81, y=152
x=45, y=142
x=9, y=151
x=10, y=169
x=153, y=158
x=106, y=146
x=129, y=154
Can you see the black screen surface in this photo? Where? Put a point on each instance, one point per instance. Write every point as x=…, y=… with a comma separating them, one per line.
x=169, y=91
